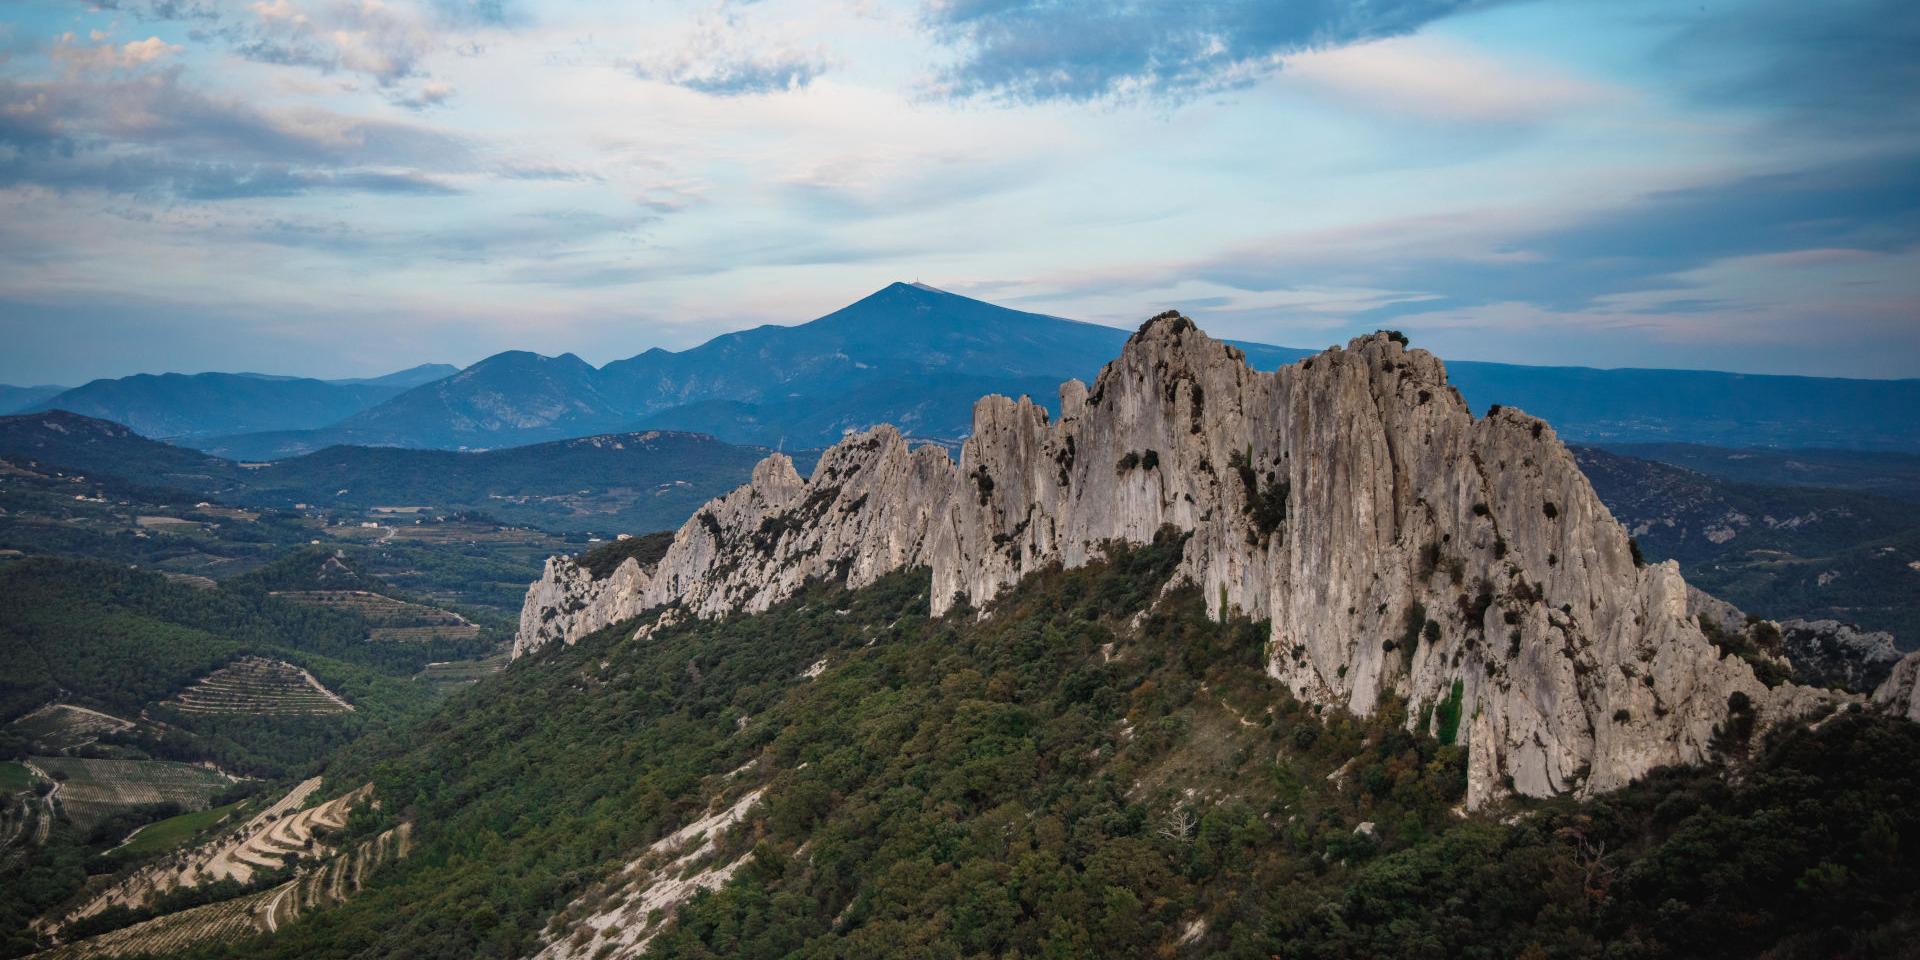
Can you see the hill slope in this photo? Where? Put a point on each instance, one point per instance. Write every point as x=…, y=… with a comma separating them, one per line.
x=175, y=405
x=1888, y=474
x=1075, y=776
x=1775, y=550
x=20, y=398
x=632, y=482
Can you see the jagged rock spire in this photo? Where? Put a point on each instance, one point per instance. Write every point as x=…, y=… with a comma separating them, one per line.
x=1399, y=547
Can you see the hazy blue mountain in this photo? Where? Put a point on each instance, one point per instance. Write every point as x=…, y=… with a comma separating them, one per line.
x=178, y=405
x=68, y=441
x=919, y=357
x=908, y=354
x=627, y=482
x=410, y=377
x=19, y=398
x=1701, y=406
x=1871, y=471
x=909, y=330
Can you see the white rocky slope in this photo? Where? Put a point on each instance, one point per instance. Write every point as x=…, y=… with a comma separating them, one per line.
x=1351, y=499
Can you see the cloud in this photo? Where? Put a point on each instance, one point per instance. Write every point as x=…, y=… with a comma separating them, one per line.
x=1442, y=80
x=106, y=57
x=366, y=37
x=149, y=134
x=1843, y=66
x=1078, y=50
x=432, y=93
x=720, y=55
x=177, y=10
x=1816, y=257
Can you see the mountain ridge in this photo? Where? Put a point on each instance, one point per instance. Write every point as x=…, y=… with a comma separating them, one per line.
x=180, y=405
x=1398, y=546
x=913, y=355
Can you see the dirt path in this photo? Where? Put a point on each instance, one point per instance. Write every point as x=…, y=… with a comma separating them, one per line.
x=45, y=829
x=329, y=694
x=273, y=905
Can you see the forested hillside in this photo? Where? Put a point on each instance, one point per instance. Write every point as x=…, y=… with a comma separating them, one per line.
x=124, y=642
x=1778, y=550
x=627, y=482
x=1088, y=773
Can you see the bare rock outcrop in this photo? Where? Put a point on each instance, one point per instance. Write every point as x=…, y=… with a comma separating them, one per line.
x=1397, y=545
x=1900, y=693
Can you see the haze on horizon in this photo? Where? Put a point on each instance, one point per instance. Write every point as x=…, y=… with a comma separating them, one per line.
x=347, y=187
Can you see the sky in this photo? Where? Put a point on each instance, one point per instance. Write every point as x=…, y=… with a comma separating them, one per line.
x=346, y=187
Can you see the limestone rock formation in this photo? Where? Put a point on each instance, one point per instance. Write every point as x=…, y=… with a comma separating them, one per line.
x=1398, y=546
x=1829, y=653
x=1900, y=694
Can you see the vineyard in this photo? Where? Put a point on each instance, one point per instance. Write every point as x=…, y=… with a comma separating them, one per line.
x=265, y=912
x=393, y=620
x=90, y=790
x=59, y=727
x=259, y=686
x=268, y=841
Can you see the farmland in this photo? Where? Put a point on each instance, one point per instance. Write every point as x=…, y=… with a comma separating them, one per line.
x=93, y=790
x=59, y=727
x=228, y=921
x=174, y=831
x=452, y=674
x=259, y=686
x=392, y=620
x=270, y=840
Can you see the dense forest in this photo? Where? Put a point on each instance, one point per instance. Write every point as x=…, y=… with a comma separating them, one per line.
x=119, y=639
x=1090, y=772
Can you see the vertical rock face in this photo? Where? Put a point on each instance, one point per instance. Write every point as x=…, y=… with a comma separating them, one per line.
x=1398, y=546
x=1900, y=692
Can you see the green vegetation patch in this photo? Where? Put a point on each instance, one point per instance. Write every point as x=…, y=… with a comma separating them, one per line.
x=14, y=776
x=601, y=561
x=175, y=831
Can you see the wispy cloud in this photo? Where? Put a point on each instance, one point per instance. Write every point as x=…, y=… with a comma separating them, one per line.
x=723, y=55
x=1077, y=50
x=1443, y=80
x=122, y=130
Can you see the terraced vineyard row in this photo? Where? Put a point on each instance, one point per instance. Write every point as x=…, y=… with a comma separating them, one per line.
x=265, y=912
x=214, y=923
x=268, y=841
x=259, y=686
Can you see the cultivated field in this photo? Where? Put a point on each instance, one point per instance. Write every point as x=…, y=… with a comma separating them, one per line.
x=394, y=620
x=174, y=831
x=92, y=790
x=227, y=921
x=58, y=727
x=267, y=841
x=258, y=686
x=233, y=920
x=451, y=674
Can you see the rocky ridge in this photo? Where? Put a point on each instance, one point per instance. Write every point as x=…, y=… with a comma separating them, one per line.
x=1397, y=545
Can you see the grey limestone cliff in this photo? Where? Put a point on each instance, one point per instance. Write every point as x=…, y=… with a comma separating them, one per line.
x=1397, y=545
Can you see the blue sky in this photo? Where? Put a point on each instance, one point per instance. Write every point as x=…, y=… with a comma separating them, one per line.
x=344, y=187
